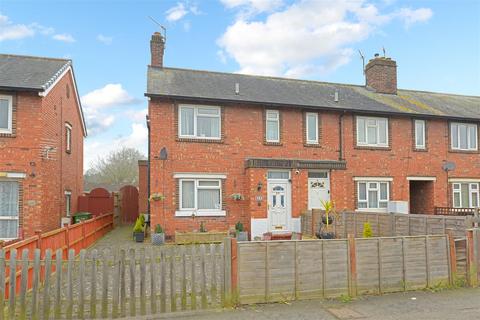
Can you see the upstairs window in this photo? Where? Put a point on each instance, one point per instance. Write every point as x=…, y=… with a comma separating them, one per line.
x=420, y=134
x=312, y=128
x=372, y=132
x=6, y=108
x=272, y=126
x=372, y=194
x=68, y=138
x=199, y=122
x=464, y=136
x=466, y=195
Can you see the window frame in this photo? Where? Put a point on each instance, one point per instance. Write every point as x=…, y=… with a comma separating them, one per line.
x=195, y=117
x=68, y=203
x=68, y=137
x=188, y=212
x=377, y=126
x=424, y=132
x=471, y=192
x=307, y=140
x=9, y=129
x=469, y=138
x=17, y=217
x=277, y=113
x=378, y=189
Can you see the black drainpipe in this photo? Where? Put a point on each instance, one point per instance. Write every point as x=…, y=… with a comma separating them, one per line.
x=148, y=168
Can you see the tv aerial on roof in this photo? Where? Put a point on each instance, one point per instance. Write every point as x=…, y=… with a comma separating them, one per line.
x=161, y=27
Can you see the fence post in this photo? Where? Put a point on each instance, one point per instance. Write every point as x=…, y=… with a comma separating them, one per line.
x=227, y=282
x=471, y=259
x=353, y=265
x=453, y=255
x=234, y=272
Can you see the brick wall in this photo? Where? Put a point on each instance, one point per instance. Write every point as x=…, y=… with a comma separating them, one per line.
x=242, y=129
x=39, y=123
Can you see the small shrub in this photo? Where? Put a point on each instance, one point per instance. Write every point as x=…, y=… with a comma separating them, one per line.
x=367, y=230
x=142, y=218
x=345, y=298
x=138, y=227
x=239, y=227
x=158, y=229
x=202, y=227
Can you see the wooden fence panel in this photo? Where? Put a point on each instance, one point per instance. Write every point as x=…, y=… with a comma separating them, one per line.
x=336, y=267
x=252, y=267
x=368, y=275
x=392, y=262
x=310, y=271
x=280, y=256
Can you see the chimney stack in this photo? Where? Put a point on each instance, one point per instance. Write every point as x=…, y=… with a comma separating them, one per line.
x=381, y=74
x=157, y=49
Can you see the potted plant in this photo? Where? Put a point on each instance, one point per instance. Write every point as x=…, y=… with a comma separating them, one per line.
x=156, y=197
x=240, y=233
x=158, y=237
x=237, y=196
x=327, y=221
x=138, y=230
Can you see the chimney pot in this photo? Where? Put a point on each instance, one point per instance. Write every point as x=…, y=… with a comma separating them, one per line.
x=381, y=75
x=157, y=49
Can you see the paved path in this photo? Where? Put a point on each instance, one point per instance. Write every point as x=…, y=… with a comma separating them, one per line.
x=448, y=304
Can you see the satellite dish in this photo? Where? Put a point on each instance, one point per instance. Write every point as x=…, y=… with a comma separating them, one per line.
x=448, y=166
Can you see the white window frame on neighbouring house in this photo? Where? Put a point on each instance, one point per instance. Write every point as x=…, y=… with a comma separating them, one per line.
x=457, y=130
x=199, y=111
x=4, y=215
x=9, y=128
x=473, y=190
x=363, y=138
x=372, y=185
x=420, y=131
x=309, y=128
x=198, y=185
x=68, y=137
x=272, y=117
x=68, y=203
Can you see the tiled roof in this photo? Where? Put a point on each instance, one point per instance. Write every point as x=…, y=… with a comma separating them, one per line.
x=216, y=86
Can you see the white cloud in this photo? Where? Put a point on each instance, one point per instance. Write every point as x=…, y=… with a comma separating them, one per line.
x=137, y=138
x=11, y=31
x=254, y=5
x=104, y=39
x=65, y=37
x=177, y=12
x=97, y=103
x=305, y=38
x=411, y=16
x=137, y=115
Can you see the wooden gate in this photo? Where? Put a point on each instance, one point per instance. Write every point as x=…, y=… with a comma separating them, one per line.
x=128, y=204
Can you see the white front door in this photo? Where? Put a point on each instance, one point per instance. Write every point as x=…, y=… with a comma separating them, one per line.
x=318, y=189
x=278, y=205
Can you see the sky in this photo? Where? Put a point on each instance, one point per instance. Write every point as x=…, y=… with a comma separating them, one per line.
x=436, y=45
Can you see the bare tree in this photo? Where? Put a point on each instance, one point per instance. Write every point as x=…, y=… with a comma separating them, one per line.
x=118, y=168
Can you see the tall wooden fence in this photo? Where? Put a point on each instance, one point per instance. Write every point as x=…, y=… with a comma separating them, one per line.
x=387, y=224
x=77, y=236
x=117, y=283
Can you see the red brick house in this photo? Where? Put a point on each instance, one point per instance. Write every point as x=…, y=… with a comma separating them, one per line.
x=285, y=144
x=41, y=144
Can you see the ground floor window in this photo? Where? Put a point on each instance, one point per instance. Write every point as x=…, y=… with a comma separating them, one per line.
x=68, y=203
x=372, y=194
x=466, y=194
x=9, y=209
x=200, y=197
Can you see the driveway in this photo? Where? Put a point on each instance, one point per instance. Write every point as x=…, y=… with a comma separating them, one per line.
x=448, y=304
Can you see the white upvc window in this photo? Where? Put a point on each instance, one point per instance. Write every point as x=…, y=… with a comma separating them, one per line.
x=68, y=203
x=373, y=194
x=311, y=121
x=9, y=209
x=372, y=132
x=68, y=137
x=200, y=197
x=464, y=136
x=420, y=134
x=199, y=122
x=6, y=114
x=466, y=194
x=272, y=126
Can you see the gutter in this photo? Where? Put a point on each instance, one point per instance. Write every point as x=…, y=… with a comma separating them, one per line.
x=148, y=166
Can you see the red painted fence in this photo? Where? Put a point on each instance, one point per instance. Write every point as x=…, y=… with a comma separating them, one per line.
x=77, y=236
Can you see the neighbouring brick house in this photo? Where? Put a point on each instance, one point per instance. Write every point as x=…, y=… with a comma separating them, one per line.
x=41, y=144
x=286, y=144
